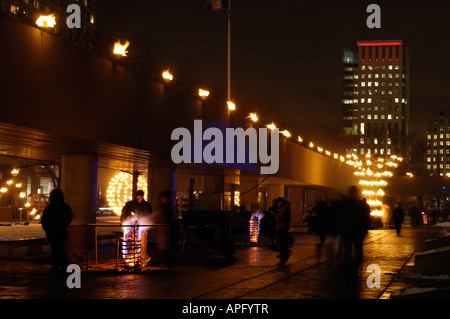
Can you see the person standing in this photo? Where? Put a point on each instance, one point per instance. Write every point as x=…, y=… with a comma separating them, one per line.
x=163, y=233
x=142, y=211
x=282, y=225
x=55, y=221
x=323, y=220
x=354, y=223
x=398, y=215
x=138, y=207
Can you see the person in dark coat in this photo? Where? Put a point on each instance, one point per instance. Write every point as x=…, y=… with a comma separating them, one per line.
x=354, y=223
x=55, y=221
x=163, y=215
x=140, y=210
x=283, y=219
x=399, y=216
x=138, y=207
x=323, y=220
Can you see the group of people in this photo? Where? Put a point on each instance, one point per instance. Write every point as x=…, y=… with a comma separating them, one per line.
x=346, y=220
x=57, y=216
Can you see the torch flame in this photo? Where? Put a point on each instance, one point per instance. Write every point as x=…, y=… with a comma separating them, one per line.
x=253, y=117
x=120, y=49
x=231, y=106
x=167, y=76
x=203, y=93
x=46, y=21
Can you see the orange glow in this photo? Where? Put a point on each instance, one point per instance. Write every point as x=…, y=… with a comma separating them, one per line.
x=121, y=49
x=167, y=76
x=46, y=21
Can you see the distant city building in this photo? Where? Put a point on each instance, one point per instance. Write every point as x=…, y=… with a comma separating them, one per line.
x=28, y=11
x=376, y=111
x=349, y=99
x=438, y=144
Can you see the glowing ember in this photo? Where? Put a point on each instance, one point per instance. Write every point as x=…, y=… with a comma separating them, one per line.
x=46, y=21
x=121, y=49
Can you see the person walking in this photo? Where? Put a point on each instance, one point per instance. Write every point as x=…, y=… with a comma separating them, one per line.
x=323, y=220
x=282, y=225
x=354, y=223
x=399, y=216
x=56, y=218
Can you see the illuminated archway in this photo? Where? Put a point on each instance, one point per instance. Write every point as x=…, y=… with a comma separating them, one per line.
x=120, y=190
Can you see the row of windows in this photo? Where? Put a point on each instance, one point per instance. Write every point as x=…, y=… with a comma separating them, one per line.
x=374, y=151
x=376, y=83
x=383, y=67
x=433, y=174
x=441, y=159
x=441, y=129
x=382, y=117
x=377, y=76
x=366, y=128
x=441, y=121
x=375, y=141
x=369, y=100
x=435, y=151
x=435, y=136
x=376, y=92
x=441, y=166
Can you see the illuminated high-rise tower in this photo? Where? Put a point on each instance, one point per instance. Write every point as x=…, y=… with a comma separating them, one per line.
x=380, y=106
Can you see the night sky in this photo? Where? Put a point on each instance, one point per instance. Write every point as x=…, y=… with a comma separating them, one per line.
x=286, y=55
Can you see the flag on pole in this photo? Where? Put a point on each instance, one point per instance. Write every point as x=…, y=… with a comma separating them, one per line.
x=219, y=4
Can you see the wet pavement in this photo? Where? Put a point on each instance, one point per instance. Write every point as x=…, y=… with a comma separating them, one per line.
x=310, y=273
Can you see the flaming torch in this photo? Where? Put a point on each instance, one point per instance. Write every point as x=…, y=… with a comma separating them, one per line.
x=255, y=222
x=46, y=21
x=121, y=49
x=131, y=245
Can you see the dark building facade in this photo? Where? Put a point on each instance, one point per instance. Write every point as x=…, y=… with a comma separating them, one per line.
x=28, y=11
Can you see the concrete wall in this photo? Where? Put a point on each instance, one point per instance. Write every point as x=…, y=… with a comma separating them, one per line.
x=49, y=85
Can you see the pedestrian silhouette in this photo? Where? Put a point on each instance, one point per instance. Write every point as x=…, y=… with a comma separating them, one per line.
x=323, y=220
x=354, y=223
x=55, y=221
x=283, y=219
x=164, y=215
x=398, y=215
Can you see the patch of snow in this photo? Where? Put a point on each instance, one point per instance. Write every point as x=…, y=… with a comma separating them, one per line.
x=432, y=251
x=412, y=291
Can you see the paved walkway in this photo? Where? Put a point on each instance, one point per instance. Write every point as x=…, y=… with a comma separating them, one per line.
x=310, y=273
